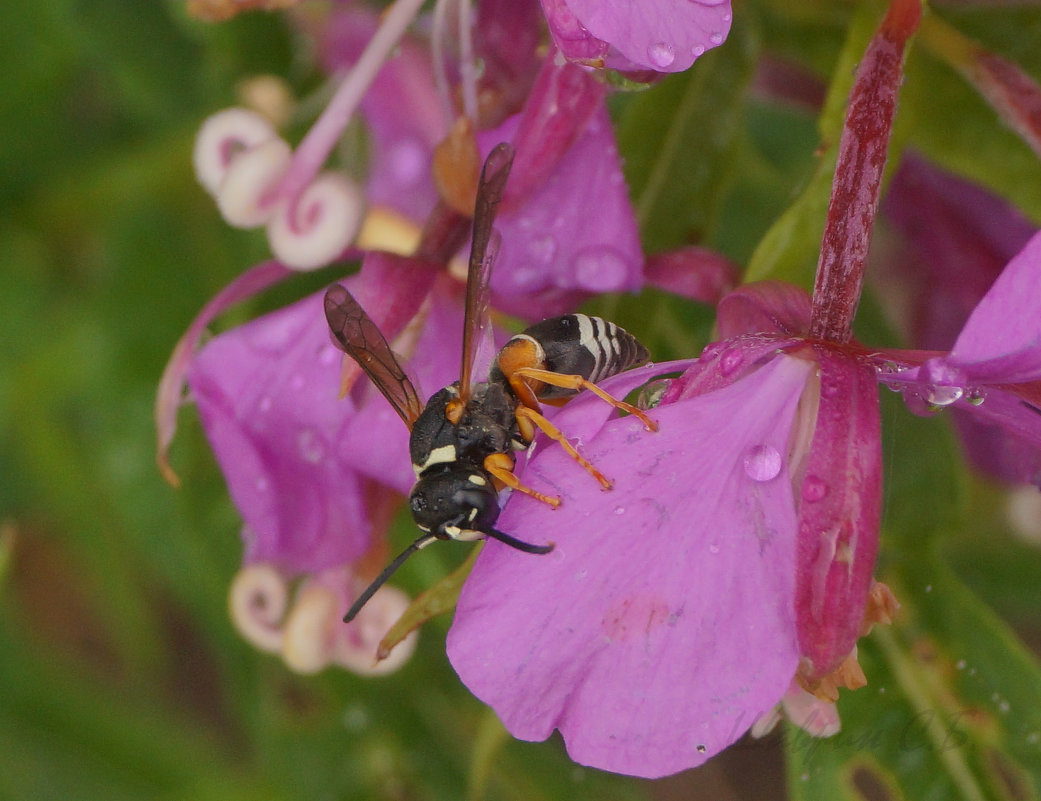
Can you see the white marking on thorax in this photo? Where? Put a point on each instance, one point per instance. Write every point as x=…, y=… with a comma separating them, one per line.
x=443, y=455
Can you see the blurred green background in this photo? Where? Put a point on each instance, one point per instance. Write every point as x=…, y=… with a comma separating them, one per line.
x=120, y=674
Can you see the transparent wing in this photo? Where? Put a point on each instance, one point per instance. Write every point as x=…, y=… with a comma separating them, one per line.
x=483, y=249
x=360, y=338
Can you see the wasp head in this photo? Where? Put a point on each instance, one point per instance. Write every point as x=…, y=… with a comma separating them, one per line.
x=459, y=503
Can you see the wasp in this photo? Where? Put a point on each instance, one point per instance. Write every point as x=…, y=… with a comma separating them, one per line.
x=464, y=439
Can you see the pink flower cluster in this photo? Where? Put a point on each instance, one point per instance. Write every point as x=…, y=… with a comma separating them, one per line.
x=731, y=569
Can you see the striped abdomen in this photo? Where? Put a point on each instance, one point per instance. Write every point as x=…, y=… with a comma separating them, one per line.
x=577, y=344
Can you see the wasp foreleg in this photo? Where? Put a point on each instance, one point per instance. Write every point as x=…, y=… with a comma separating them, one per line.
x=528, y=419
x=577, y=382
x=501, y=468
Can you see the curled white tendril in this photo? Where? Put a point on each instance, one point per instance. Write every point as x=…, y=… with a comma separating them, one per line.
x=308, y=630
x=357, y=644
x=257, y=603
x=245, y=196
x=222, y=138
x=324, y=220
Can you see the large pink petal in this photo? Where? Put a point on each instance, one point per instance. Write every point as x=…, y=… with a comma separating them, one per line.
x=662, y=625
x=267, y=394
x=662, y=35
x=1001, y=342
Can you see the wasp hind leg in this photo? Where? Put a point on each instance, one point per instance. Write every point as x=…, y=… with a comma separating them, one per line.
x=577, y=382
x=529, y=419
x=501, y=468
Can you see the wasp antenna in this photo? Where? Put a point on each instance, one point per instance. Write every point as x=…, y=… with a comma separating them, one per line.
x=388, y=571
x=513, y=542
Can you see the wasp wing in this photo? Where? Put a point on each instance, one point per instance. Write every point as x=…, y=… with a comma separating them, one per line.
x=483, y=249
x=360, y=338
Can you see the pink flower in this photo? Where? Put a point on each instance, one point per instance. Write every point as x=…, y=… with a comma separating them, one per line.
x=658, y=35
x=957, y=240
x=736, y=551
x=314, y=477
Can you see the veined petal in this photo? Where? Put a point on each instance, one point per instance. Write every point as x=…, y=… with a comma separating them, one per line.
x=661, y=627
x=552, y=241
x=1001, y=341
x=839, y=513
x=267, y=394
x=169, y=394
x=662, y=35
x=765, y=307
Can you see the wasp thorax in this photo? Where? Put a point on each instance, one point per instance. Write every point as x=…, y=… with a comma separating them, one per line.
x=458, y=503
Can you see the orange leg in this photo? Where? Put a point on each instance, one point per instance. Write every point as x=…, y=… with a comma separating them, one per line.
x=577, y=382
x=526, y=417
x=501, y=467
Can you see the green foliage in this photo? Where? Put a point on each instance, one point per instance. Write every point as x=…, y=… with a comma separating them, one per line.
x=121, y=675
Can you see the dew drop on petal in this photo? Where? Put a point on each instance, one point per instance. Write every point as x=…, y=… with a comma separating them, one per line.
x=762, y=462
x=940, y=395
x=975, y=397
x=661, y=54
x=600, y=268
x=619, y=510
x=814, y=489
x=713, y=548
x=698, y=51
x=310, y=446
x=542, y=249
x=716, y=38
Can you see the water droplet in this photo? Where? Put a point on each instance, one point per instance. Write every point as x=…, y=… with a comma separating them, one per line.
x=727, y=16
x=814, y=489
x=928, y=587
x=762, y=462
x=661, y=54
x=310, y=446
x=939, y=395
x=542, y=249
x=713, y=548
x=600, y=268
x=716, y=38
x=697, y=51
x=960, y=664
x=619, y=510
x=650, y=396
x=730, y=361
x=975, y=396
x=1004, y=707
x=526, y=278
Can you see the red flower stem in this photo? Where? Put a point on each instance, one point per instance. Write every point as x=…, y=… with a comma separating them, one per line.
x=858, y=176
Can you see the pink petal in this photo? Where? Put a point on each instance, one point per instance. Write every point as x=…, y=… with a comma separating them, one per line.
x=1001, y=342
x=550, y=242
x=662, y=35
x=661, y=627
x=693, y=272
x=169, y=394
x=767, y=307
x=839, y=512
x=267, y=394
